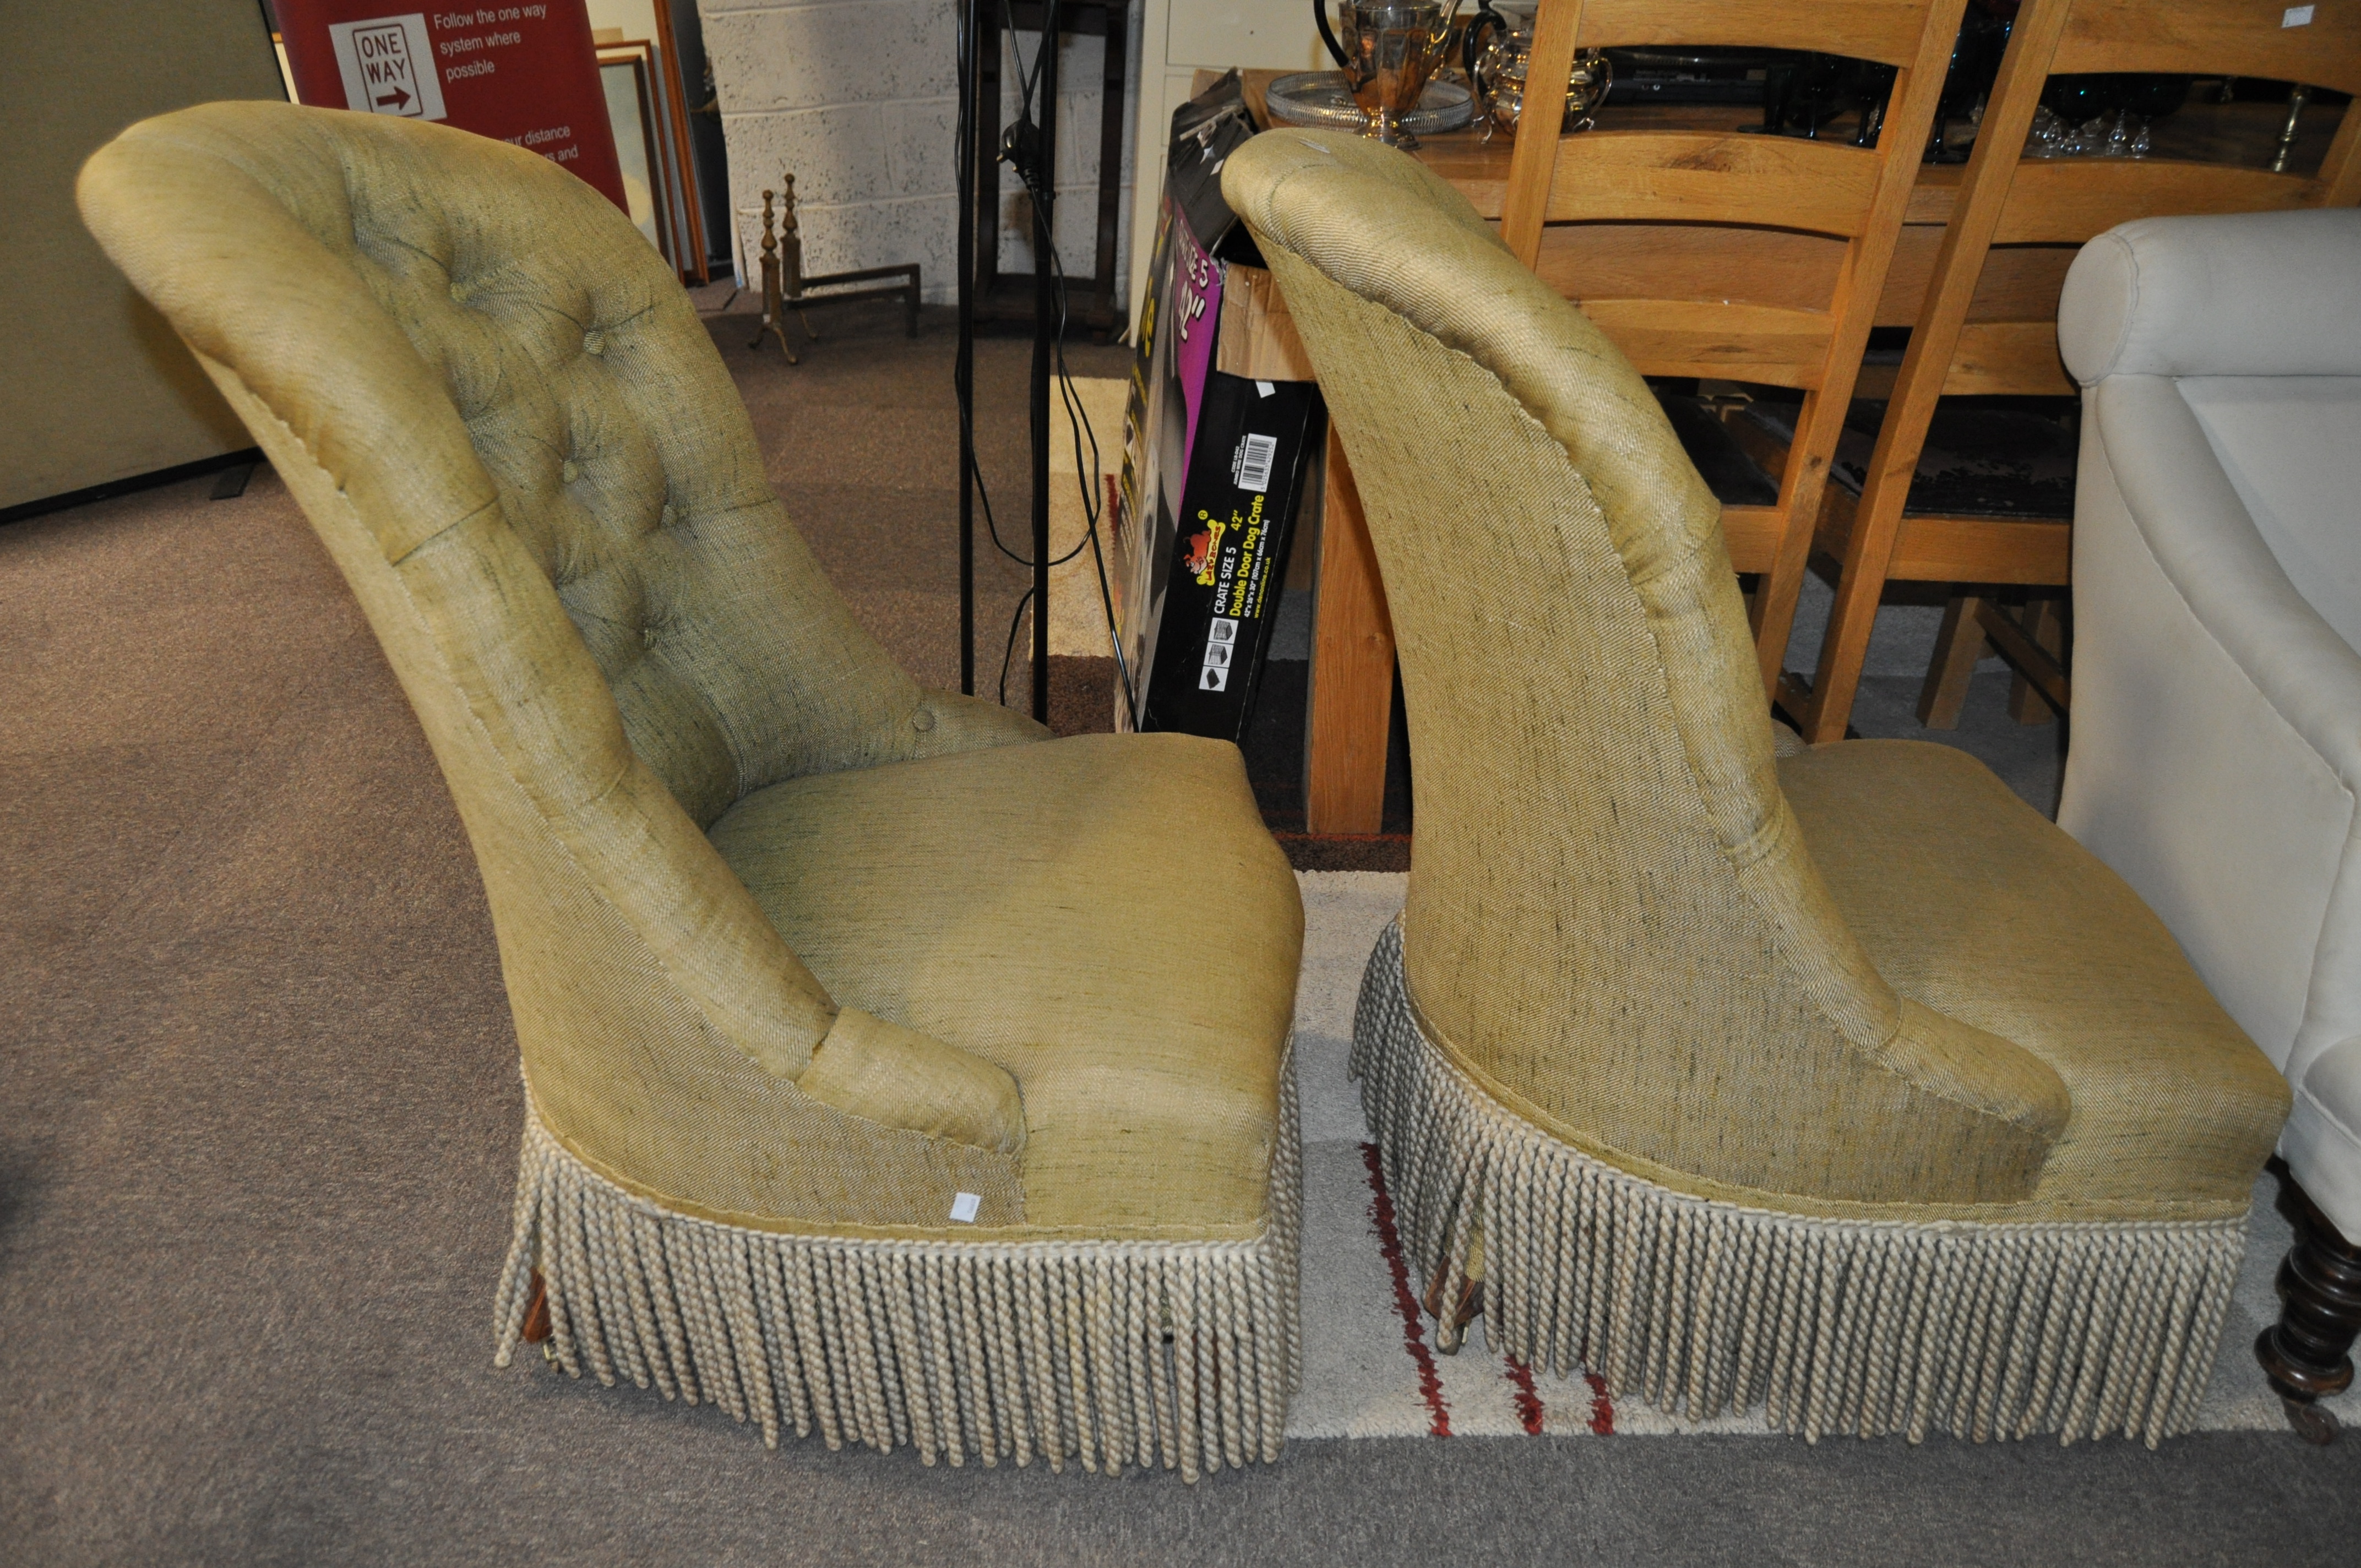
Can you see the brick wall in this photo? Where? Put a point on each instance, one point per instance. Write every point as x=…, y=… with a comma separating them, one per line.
x=859, y=98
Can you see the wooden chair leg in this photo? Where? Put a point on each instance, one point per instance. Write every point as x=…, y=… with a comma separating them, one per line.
x=2306, y=1353
x=1827, y=712
x=1771, y=616
x=1803, y=497
x=536, y=1313
x=2046, y=630
x=1844, y=649
x=1453, y=1323
x=1352, y=668
x=1957, y=647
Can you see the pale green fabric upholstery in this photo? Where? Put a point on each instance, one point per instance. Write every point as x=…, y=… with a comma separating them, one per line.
x=1060, y=889
x=1968, y=901
x=1861, y=985
x=515, y=438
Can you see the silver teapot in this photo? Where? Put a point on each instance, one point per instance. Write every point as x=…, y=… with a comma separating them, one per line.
x=1498, y=51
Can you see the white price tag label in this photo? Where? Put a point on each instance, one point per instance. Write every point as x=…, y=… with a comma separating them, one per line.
x=964, y=1206
x=2296, y=17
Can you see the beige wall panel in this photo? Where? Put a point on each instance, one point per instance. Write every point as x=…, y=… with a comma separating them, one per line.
x=94, y=387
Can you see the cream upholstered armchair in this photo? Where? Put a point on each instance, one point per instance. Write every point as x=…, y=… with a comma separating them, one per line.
x=2217, y=708
x=1840, y=1079
x=860, y=1093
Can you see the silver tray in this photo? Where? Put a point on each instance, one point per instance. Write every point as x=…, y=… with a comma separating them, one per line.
x=1322, y=98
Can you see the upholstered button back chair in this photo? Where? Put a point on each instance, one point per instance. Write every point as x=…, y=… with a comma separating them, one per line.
x=1838, y=1081
x=2217, y=733
x=877, y=1079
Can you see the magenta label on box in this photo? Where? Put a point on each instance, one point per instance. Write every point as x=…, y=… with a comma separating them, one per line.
x=1196, y=320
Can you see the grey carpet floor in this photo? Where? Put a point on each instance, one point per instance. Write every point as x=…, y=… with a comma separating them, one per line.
x=258, y=1124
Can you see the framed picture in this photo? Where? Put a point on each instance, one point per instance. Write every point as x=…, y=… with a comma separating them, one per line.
x=631, y=108
x=650, y=119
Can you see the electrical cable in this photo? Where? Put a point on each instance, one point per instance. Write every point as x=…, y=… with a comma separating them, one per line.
x=1009, y=651
x=1091, y=501
x=1080, y=428
x=1022, y=154
x=1022, y=145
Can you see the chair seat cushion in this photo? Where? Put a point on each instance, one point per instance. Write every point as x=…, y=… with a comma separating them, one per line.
x=1971, y=901
x=1105, y=916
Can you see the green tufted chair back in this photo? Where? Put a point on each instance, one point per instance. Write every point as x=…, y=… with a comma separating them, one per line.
x=515, y=438
x=585, y=404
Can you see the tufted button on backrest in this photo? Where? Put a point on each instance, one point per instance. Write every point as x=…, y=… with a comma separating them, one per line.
x=596, y=406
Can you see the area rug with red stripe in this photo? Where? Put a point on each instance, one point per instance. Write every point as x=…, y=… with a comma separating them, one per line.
x=1370, y=1368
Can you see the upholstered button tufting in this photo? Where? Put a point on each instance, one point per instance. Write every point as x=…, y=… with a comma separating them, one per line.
x=594, y=342
x=568, y=471
x=458, y=293
x=923, y=719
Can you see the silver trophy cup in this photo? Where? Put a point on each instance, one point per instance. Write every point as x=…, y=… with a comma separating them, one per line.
x=1390, y=49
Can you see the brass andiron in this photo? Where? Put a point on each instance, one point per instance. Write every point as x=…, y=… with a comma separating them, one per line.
x=784, y=287
x=774, y=288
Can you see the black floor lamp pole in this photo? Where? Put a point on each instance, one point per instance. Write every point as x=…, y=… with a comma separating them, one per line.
x=970, y=72
x=978, y=175
x=1045, y=327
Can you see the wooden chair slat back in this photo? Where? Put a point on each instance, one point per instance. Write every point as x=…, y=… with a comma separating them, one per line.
x=1884, y=30
x=2019, y=359
x=1825, y=187
x=2070, y=201
x=1676, y=262
x=2018, y=283
x=1776, y=190
x=2216, y=38
x=1988, y=321
x=2009, y=200
x=1739, y=342
x=1748, y=180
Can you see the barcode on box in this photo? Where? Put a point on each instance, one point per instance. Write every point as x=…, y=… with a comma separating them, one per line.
x=1251, y=471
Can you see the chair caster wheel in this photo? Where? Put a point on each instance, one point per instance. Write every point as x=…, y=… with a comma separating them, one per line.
x=2311, y=1423
x=1450, y=1327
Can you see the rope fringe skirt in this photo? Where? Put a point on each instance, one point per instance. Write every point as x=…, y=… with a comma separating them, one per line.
x=1863, y=1327
x=1115, y=1352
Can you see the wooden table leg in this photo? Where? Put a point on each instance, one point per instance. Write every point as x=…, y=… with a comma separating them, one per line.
x=2039, y=689
x=1352, y=669
x=1958, y=646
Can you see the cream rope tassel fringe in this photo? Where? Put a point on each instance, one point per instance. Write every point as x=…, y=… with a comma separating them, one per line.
x=1866, y=1327
x=1115, y=1352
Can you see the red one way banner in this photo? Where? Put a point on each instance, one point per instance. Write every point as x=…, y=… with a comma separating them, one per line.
x=521, y=74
